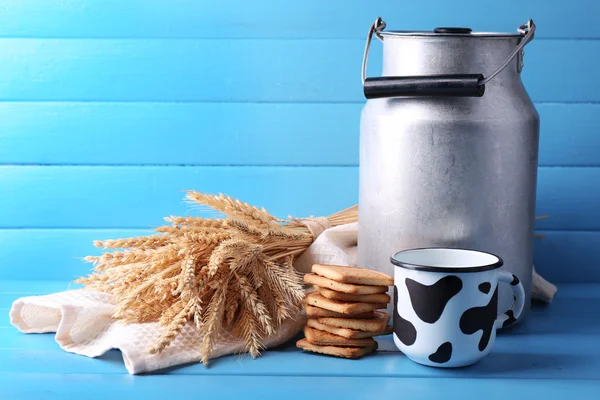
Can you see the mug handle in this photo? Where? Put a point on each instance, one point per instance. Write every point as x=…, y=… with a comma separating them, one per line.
x=511, y=316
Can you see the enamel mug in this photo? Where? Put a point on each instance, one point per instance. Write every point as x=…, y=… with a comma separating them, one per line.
x=446, y=304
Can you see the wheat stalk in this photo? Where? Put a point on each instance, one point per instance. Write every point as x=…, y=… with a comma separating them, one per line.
x=248, y=329
x=224, y=251
x=255, y=305
x=212, y=322
x=235, y=208
x=173, y=329
x=195, y=221
x=286, y=281
x=142, y=242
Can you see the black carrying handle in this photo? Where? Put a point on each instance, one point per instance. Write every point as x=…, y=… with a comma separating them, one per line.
x=455, y=85
x=466, y=85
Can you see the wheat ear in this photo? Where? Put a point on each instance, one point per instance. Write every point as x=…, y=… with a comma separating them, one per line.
x=227, y=249
x=141, y=242
x=235, y=208
x=248, y=329
x=286, y=281
x=172, y=330
x=212, y=322
x=255, y=305
x=196, y=221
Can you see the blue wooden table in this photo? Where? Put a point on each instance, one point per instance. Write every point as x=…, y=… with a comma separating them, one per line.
x=109, y=109
x=553, y=354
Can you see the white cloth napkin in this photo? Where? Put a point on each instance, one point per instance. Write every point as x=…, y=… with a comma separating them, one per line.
x=83, y=323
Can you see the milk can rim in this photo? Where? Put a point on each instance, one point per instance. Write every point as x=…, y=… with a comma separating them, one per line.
x=457, y=35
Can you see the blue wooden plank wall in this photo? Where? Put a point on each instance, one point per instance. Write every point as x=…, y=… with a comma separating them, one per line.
x=109, y=109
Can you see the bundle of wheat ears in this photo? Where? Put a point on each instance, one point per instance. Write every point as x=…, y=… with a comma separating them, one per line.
x=232, y=275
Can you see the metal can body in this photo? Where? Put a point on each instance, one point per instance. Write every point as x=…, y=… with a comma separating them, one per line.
x=450, y=171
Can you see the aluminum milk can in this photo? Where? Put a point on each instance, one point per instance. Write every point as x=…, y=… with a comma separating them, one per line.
x=449, y=148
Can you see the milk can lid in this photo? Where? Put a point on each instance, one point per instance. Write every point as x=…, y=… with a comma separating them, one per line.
x=450, y=31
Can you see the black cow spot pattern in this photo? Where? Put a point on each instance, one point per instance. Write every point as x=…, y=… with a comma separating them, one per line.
x=483, y=318
x=485, y=287
x=404, y=329
x=515, y=280
x=511, y=319
x=442, y=354
x=429, y=301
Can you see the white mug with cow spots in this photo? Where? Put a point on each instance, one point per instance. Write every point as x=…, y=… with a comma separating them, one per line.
x=446, y=304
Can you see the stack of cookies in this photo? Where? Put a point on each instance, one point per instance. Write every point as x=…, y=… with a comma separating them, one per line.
x=342, y=311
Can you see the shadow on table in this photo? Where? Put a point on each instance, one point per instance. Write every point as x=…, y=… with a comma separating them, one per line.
x=112, y=357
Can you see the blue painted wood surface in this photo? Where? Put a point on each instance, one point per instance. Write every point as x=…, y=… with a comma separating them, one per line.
x=290, y=19
x=59, y=386
x=556, y=348
x=110, y=108
x=139, y=196
x=242, y=70
x=86, y=133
